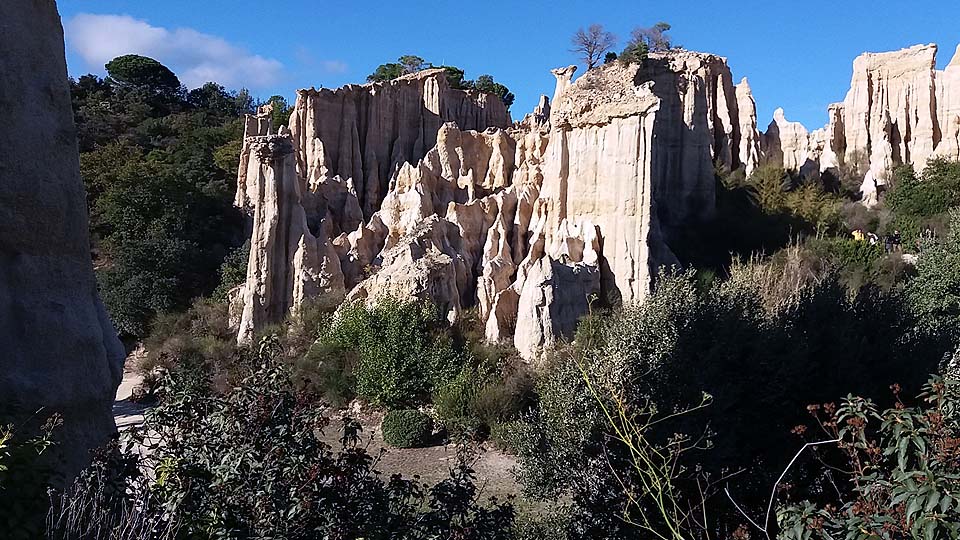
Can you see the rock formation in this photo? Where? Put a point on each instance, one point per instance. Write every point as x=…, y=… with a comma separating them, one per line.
x=359, y=169
x=899, y=110
x=420, y=192
x=60, y=351
x=412, y=189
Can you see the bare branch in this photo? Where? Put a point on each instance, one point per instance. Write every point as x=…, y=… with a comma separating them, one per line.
x=591, y=44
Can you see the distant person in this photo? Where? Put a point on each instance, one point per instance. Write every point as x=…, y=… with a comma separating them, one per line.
x=897, y=240
x=858, y=235
x=873, y=238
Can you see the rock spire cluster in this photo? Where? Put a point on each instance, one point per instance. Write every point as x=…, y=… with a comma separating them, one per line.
x=413, y=189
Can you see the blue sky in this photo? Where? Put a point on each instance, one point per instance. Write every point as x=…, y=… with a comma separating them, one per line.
x=797, y=55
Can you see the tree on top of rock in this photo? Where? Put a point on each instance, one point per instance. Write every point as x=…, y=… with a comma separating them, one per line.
x=404, y=65
x=455, y=77
x=655, y=38
x=485, y=83
x=591, y=44
x=646, y=40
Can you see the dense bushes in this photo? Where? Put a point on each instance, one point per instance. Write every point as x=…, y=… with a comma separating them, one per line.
x=25, y=475
x=406, y=428
x=158, y=164
x=763, y=344
x=402, y=350
x=921, y=202
x=249, y=464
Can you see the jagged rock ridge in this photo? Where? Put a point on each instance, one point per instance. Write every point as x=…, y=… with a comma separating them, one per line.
x=578, y=200
x=899, y=110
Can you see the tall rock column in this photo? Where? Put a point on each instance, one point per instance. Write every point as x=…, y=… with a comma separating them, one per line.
x=59, y=352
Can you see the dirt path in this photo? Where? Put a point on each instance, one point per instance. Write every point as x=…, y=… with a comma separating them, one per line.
x=126, y=413
x=493, y=468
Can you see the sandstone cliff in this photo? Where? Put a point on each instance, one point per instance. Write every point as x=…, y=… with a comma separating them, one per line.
x=346, y=182
x=60, y=353
x=899, y=110
x=419, y=194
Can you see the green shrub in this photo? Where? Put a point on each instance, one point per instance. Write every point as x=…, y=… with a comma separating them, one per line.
x=328, y=372
x=406, y=428
x=25, y=476
x=923, y=201
x=454, y=399
x=249, y=464
x=404, y=351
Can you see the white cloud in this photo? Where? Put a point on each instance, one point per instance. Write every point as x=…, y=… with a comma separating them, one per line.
x=334, y=66
x=195, y=57
x=307, y=58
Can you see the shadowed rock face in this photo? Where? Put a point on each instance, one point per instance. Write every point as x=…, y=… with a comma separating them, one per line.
x=58, y=349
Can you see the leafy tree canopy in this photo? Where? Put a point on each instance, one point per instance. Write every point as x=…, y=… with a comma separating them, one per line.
x=143, y=72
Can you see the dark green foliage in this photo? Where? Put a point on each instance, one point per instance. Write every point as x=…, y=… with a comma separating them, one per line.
x=158, y=166
x=402, y=350
x=896, y=471
x=233, y=271
x=142, y=72
x=609, y=57
x=406, y=428
x=485, y=83
x=634, y=53
x=250, y=464
x=328, y=371
x=280, y=115
x=763, y=344
x=922, y=202
x=857, y=262
x=25, y=475
x=455, y=77
x=404, y=65
x=935, y=291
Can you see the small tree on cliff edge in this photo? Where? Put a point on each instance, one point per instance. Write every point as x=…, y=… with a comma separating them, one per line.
x=591, y=44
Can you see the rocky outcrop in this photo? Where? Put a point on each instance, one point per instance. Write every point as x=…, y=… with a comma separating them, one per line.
x=899, y=110
x=359, y=169
x=60, y=351
x=749, y=151
x=575, y=204
x=364, y=132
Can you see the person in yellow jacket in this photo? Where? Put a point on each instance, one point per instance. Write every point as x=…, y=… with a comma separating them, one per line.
x=858, y=235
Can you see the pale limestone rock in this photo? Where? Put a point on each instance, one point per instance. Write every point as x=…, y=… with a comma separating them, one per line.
x=749, y=152
x=889, y=112
x=564, y=80
x=288, y=262
x=556, y=288
x=60, y=353
x=579, y=200
x=948, y=109
x=364, y=132
x=786, y=142
x=424, y=265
